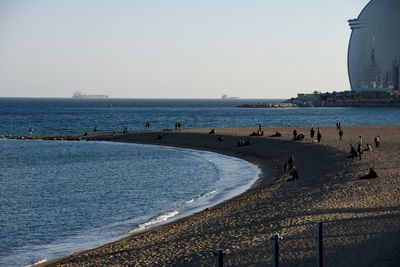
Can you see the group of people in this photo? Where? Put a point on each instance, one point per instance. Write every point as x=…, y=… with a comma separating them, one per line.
x=312, y=135
x=125, y=129
x=178, y=126
x=354, y=153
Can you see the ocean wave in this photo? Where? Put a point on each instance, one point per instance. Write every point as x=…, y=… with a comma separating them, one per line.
x=38, y=262
x=156, y=220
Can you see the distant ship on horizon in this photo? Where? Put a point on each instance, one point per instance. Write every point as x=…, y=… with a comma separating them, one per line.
x=229, y=97
x=80, y=95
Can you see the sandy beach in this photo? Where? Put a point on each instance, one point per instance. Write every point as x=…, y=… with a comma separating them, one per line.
x=361, y=218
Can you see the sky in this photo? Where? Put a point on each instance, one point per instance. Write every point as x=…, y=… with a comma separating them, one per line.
x=174, y=48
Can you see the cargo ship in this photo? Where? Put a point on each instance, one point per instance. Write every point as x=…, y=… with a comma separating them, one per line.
x=80, y=95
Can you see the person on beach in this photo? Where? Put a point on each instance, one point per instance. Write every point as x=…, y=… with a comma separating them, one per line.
x=290, y=163
x=176, y=126
x=353, y=152
x=276, y=134
x=312, y=134
x=319, y=135
x=294, y=134
x=147, y=126
x=95, y=129
x=371, y=175
x=377, y=141
x=212, y=131
x=368, y=148
x=340, y=134
x=30, y=131
x=360, y=141
x=259, y=127
x=179, y=126
x=359, y=151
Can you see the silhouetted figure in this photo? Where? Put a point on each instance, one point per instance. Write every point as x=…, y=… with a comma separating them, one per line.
x=259, y=127
x=276, y=134
x=95, y=129
x=147, y=126
x=220, y=138
x=212, y=131
x=359, y=151
x=294, y=133
x=319, y=135
x=340, y=134
x=371, y=175
x=312, y=134
x=291, y=162
x=30, y=131
x=377, y=141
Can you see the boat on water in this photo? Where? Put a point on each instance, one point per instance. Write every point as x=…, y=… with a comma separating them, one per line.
x=80, y=95
x=229, y=97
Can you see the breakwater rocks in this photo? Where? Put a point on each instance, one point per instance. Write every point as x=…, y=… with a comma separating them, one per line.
x=268, y=105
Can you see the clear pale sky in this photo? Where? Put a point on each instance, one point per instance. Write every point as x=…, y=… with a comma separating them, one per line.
x=174, y=48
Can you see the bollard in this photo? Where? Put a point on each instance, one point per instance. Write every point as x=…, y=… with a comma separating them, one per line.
x=275, y=250
x=219, y=253
x=319, y=244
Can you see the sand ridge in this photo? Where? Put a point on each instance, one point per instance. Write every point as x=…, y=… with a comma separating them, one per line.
x=361, y=217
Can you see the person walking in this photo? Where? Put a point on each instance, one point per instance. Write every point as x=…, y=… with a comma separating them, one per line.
x=312, y=134
x=319, y=135
x=340, y=134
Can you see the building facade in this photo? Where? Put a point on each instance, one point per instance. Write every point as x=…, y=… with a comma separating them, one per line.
x=374, y=48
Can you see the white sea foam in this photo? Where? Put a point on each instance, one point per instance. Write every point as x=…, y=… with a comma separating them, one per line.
x=156, y=220
x=39, y=262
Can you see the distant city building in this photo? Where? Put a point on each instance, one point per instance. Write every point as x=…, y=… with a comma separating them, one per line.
x=374, y=48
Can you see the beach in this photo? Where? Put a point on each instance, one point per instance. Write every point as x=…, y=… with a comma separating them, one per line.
x=361, y=218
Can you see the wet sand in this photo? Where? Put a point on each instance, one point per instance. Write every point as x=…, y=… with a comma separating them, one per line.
x=361, y=218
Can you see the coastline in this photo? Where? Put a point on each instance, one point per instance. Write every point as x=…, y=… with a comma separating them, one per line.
x=326, y=192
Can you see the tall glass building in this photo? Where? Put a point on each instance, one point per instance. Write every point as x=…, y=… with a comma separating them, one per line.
x=374, y=48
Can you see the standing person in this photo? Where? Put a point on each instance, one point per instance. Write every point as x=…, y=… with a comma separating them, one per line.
x=30, y=131
x=319, y=135
x=340, y=134
x=359, y=142
x=359, y=151
x=294, y=134
x=179, y=126
x=95, y=129
x=312, y=133
x=176, y=126
x=259, y=127
x=377, y=141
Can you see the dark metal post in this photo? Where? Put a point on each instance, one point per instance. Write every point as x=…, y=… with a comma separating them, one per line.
x=275, y=250
x=319, y=243
x=220, y=257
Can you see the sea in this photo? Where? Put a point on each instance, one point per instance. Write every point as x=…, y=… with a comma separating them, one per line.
x=60, y=197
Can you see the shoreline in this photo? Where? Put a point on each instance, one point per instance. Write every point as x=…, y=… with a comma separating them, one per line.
x=266, y=175
x=358, y=215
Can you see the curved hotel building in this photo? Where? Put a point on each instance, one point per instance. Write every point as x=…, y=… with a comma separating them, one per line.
x=374, y=48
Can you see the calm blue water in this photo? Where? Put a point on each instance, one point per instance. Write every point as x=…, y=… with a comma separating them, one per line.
x=61, y=197
x=64, y=116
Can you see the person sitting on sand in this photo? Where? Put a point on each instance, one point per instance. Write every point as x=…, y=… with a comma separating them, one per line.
x=299, y=137
x=371, y=175
x=212, y=131
x=276, y=134
x=368, y=148
x=353, y=152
